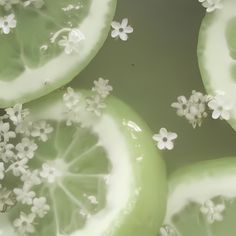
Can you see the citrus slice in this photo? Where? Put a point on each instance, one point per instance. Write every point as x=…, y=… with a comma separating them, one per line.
x=110, y=178
x=49, y=45
x=202, y=200
x=217, y=53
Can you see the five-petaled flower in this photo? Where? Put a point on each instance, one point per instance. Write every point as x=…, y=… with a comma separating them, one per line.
x=49, y=173
x=212, y=211
x=165, y=139
x=25, y=223
x=26, y=148
x=7, y=23
x=121, y=30
x=40, y=207
x=41, y=129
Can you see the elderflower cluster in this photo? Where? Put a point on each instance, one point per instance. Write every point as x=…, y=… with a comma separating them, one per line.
x=8, y=21
x=74, y=103
x=192, y=109
x=19, y=137
x=211, y=5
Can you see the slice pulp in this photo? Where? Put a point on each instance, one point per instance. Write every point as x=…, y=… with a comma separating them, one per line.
x=202, y=200
x=111, y=179
x=50, y=45
x=217, y=53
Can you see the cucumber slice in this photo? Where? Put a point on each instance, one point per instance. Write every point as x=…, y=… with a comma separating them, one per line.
x=202, y=199
x=50, y=45
x=217, y=53
x=110, y=171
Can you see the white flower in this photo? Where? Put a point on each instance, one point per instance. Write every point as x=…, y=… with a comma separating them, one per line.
x=95, y=105
x=49, y=172
x=211, y=5
x=121, y=29
x=2, y=170
x=34, y=3
x=7, y=4
x=7, y=23
x=26, y=148
x=16, y=113
x=7, y=199
x=41, y=129
x=24, y=195
x=212, y=212
x=192, y=109
x=71, y=43
x=6, y=153
x=31, y=178
x=19, y=167
x=71, y=98
x=25, y=223
x=5, y=132
x=165, y=139
x=167, y=230
x=221, y=107
x=40, y=207
x=102, y=87
x=24, y=127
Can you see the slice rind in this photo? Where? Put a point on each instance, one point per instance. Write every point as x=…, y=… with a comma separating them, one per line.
x=136, y=189
x=191, y=188
x=216, y=53
x=34, y=74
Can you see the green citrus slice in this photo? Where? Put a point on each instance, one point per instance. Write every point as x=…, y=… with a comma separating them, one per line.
x=217, y=52
x=110, y=177
x=49, y=45
x=202, y=200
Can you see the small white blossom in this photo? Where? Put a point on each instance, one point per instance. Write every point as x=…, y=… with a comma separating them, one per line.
x=71, y=43
x=95, y=105
x=6, y=152
x=2, y=170
x=25, y=223
x=40, y=207
x=24, y=127
x=212, y=212
x=7, y=23
x=211, y=5
x=121, y=30
x=26, y=148
x=49, y=173
x=71, y=98
x=102, y=87
x=7, y=4
x=192, y=109
x=19, y=167
x=41, y=129
x=6, y=199
x=31, y=178
x=16, y=113
x=5, y=132
x=24, y=195
x=165, y=139
x=34, y=3
x=167, y=230
x=221, y=107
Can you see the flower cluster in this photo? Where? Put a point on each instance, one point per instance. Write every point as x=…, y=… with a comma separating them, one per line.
x=212, y=211
x=167, y=230
x=8, y=22
x=74, y=103
x=18, y=145
x=211, y=5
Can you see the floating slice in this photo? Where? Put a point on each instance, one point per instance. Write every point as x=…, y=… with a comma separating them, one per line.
x=202, y=200
x=217, y=53
x=112, y=180
x=50, y=45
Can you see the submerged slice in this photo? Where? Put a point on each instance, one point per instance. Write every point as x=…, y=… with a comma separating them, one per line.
x=49, y=45
x=217, y=53
x=202, y=200
x=111, y=179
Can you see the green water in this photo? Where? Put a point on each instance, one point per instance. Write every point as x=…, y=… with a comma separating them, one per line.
x=157, y=64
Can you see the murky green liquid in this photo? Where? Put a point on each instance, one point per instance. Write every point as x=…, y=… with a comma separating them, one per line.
x=157, y=64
